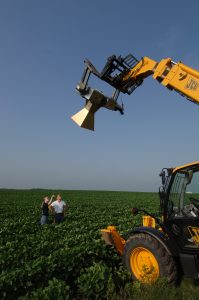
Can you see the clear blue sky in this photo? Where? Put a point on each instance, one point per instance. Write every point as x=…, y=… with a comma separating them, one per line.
x=43, y=45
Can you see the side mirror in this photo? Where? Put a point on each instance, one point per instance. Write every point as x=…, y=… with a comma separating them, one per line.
x=162, y=174
x=162, y=197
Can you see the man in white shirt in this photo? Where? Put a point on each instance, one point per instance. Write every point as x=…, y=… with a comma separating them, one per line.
x=58, y=207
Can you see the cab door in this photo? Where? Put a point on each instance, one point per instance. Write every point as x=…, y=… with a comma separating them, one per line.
x=183, y=219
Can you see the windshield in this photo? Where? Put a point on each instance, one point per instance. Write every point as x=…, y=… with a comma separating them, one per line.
x=192, y=189
x=184, y=187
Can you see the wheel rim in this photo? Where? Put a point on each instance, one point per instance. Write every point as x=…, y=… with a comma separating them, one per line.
x=144, y=265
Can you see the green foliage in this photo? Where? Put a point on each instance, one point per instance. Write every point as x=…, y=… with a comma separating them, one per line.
x=55, y=290
x=70, y=261
x=93, y=281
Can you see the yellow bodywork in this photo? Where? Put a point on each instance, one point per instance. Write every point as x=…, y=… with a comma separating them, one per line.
x=112, y=237
x=185, y=166
x=144, y=68
x=148, y=221
x=194, y=232
x=177, y=76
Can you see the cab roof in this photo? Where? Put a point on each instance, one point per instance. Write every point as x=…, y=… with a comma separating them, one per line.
x=192, y=164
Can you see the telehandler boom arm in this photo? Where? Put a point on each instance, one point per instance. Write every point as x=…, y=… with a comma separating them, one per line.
x=125, y=75
x=175, y=76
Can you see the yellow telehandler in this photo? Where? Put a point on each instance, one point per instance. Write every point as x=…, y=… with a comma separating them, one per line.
x=166, y=245
x=125, y=75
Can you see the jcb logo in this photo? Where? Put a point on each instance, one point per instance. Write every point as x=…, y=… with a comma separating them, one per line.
x=194, y=231
x=192, y=84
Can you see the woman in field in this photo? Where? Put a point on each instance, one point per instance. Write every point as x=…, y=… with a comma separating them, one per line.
x=45, y=209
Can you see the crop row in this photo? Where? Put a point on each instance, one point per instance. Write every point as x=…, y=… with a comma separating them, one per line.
x=36, y=260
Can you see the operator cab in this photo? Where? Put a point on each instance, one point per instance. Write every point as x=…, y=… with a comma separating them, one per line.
x=183, y=192
x=179, y=200
x=179, y=193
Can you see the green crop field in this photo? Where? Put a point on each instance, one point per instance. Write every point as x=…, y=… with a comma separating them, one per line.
x=69, y=260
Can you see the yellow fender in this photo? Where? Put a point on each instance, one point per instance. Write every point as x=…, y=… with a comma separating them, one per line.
x=112, y=237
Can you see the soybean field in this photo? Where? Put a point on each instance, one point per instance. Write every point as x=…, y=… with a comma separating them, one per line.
x=70, y=260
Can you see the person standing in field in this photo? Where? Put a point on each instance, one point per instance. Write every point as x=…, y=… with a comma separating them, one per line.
x=45, y=209
x=59, y=207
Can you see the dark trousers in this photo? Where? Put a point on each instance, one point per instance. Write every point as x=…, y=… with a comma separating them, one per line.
x=59, y=218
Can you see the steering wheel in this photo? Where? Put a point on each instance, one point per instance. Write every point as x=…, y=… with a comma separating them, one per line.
x=195, y=202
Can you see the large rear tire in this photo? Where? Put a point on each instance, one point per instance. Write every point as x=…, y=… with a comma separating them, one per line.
x=147, y=259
